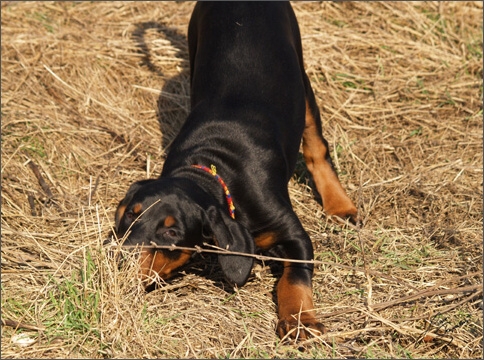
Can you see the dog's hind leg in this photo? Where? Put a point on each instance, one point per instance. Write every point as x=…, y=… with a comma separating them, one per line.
x=319, y=163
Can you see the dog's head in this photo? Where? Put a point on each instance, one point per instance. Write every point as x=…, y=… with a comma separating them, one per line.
x=177, y=213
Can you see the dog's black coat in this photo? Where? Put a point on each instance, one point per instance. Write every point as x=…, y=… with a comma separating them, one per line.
x=251, y=101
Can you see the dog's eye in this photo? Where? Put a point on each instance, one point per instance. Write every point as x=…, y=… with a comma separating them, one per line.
x=206, y=233
x=169, y=234
x=129, y=215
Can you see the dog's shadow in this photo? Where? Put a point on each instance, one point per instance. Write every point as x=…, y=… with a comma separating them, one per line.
x=173, y=102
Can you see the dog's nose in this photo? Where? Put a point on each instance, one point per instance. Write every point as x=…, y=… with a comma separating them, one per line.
x=110, y=243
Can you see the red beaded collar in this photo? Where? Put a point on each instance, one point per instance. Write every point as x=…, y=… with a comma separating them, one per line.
x=213, y=171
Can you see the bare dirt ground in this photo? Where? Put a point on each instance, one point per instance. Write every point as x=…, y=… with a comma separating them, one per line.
x=93, y=92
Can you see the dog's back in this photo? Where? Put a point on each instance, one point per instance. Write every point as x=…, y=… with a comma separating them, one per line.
x=237, y=49
x=252, y=43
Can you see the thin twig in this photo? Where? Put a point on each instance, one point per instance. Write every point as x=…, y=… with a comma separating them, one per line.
x=409, y=298
x=38, y=175
x=407, y=330
x=31, y=199
x=21, y=325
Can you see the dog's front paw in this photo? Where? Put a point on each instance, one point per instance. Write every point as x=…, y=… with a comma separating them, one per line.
x=301, y=328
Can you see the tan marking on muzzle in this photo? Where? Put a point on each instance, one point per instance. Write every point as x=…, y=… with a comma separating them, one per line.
x=155, y=263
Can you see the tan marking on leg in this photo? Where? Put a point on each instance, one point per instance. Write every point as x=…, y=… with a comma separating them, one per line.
x=295, y=308
x=335, y=199
x=266, y=240
x=292, y=299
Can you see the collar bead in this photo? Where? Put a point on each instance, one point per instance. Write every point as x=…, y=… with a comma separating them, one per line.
x=213, y=171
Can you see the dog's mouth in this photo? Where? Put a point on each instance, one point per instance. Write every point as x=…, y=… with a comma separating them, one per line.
x=154, y=264
x=161, y=263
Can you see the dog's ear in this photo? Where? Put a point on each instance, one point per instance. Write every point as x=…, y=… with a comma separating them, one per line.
x=230, y=235
x=127, y=199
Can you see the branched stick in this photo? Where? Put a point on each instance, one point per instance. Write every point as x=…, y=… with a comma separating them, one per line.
x=466, y=299
x=407, y=330
x=412, y=297
x=217, y=250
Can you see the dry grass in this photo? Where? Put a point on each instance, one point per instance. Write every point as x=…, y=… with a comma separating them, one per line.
x=92, y=92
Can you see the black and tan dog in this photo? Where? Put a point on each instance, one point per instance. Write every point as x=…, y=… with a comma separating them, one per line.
x=226, y=173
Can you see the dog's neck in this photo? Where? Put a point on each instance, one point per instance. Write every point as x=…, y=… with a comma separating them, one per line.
x=213, y=171
x=207, y=179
